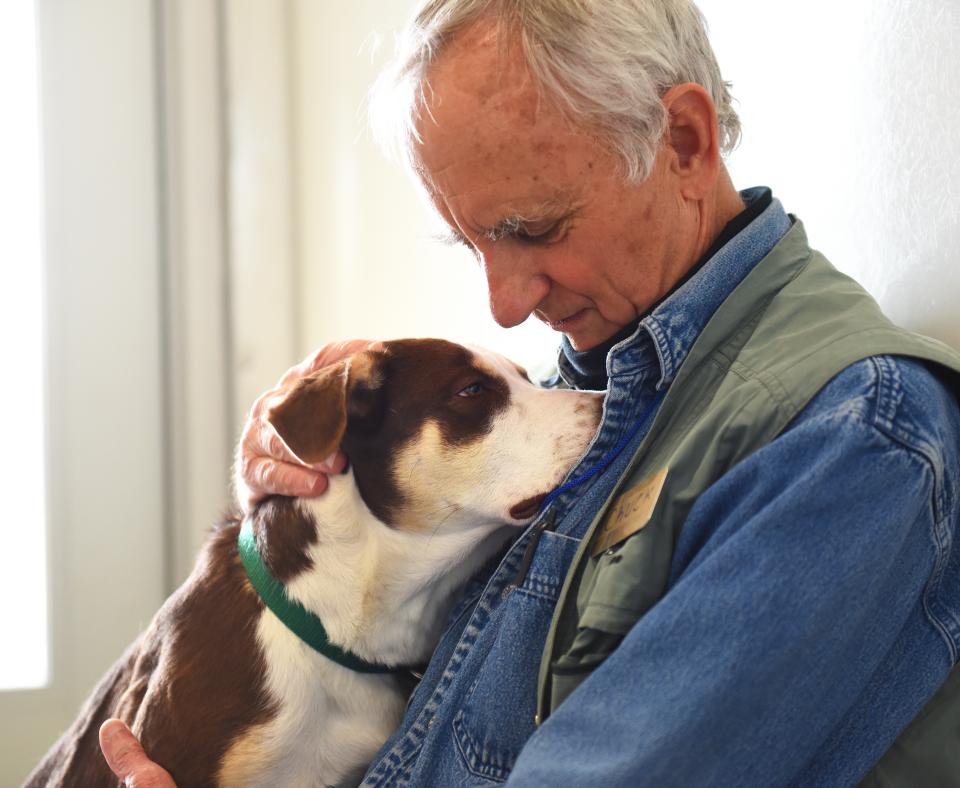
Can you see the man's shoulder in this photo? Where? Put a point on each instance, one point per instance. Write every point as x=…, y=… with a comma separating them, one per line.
x=907, y=400
x=903, y=396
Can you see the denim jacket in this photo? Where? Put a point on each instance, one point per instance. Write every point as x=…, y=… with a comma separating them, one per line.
x=822, y=644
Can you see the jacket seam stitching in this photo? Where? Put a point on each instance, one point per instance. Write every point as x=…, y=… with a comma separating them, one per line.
x=938, y=535
x=889, y=381
x=942, y=542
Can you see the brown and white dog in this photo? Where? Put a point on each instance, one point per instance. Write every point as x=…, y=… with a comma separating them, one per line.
x=451, y=450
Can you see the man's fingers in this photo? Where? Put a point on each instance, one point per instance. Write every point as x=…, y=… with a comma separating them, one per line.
x=328, y=354
x=265, y=401
x=269, y=443
x=128, y=761
x=265, y=476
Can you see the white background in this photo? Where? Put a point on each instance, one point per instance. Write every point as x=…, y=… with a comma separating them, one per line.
x=214, y=209
x=851, y=112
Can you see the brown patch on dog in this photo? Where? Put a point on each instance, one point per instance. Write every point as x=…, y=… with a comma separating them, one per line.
x=421, y=380
x=189, y=686
x=284, y=533
x=311, y=419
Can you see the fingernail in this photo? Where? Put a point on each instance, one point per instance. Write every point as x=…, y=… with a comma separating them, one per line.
x=111, y=731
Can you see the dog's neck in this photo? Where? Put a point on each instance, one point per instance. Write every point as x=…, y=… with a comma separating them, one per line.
x=384, y=594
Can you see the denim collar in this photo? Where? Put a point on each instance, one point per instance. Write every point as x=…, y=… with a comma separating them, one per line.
x=664, y=337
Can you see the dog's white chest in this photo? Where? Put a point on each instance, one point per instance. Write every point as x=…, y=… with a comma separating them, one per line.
x=330, y=721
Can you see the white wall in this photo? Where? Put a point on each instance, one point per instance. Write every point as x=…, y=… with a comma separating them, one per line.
x=851, y=113
x=369, y=264
x=104, y=359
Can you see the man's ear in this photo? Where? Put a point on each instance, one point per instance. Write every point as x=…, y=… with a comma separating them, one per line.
x=694, y=138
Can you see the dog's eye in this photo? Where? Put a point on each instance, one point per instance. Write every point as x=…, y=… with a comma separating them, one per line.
x=473, y=390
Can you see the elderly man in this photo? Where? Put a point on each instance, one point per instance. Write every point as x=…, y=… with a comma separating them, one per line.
x=759, y=584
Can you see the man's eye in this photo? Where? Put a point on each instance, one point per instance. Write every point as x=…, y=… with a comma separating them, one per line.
x=539, y=233
x=527, y=235
x=473, y=390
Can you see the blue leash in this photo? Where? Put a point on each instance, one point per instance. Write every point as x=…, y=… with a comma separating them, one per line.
x=607, y=458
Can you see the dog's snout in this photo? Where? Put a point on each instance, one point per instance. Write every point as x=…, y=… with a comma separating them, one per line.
x=590, y=407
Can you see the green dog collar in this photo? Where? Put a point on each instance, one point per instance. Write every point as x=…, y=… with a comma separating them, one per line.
x=304, y=624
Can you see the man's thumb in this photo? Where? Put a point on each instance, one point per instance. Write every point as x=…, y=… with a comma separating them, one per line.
x=128, y=761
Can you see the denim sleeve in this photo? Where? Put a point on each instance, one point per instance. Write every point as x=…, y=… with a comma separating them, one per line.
x=802, y=575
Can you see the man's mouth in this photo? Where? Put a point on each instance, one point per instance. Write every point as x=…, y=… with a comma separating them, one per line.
x=568, y=322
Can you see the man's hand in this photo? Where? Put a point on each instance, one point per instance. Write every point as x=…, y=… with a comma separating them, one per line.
x=128, y=761
x=265, y=466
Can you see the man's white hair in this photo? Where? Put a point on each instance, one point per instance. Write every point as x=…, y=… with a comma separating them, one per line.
x=604, y=63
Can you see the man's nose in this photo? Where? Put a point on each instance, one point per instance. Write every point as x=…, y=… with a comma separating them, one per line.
x=514, y=286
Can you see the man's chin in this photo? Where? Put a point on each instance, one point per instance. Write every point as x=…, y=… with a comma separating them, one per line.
x=578, y=344
x=589, y=337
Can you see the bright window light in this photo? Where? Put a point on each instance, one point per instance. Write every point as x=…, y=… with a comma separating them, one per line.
x=23, y=581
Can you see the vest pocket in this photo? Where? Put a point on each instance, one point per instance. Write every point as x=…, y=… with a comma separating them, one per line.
x=616, y=589
x=623, y=583
x=496, y=717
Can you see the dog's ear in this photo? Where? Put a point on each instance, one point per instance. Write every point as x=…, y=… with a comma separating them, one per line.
x=312, y=419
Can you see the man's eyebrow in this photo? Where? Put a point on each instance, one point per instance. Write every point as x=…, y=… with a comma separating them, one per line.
x=452, y=237
x=511, y=226
x=555, y=210
x=508, y=226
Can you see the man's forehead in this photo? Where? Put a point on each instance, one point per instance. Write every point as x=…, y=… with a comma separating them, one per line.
x=464, y=147
x=478, y=98
x=492, y=150
x=481, y=64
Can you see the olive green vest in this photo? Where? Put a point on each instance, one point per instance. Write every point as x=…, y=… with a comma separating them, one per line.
x=792, y=324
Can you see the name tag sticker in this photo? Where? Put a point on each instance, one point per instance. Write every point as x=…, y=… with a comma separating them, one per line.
x=630, y=512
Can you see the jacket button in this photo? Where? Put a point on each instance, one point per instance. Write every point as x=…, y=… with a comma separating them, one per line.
x=537, y=720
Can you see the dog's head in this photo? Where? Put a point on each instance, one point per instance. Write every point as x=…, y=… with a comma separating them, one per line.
x=438, y=432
